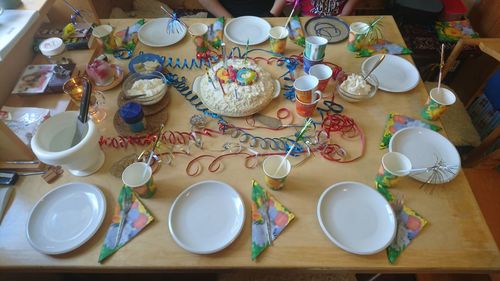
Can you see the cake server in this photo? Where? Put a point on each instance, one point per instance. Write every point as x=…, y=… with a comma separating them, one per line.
x=84, y=112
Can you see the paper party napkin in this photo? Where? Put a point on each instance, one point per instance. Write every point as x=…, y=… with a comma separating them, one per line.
x=137, y=218
x=409, y=225
x=382, y=46
x=452, y=31
x=396, y=122
x=279, y=217
x=128, y=38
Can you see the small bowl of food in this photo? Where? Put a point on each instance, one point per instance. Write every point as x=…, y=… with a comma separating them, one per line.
x=145, y=88
x=143, y=63
x=354, y=88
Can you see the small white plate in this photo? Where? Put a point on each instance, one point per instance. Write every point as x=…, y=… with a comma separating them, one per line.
x=65, y=218
x=206, y=217
x=423, y=146
x=154, y=33
x=394, y=73
x=241, y=29
x=356, y=218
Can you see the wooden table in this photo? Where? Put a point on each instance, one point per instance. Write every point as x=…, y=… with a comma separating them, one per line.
x=456, y=240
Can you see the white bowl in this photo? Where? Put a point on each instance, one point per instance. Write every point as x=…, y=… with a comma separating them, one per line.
x=132, y=78
x=52, y=145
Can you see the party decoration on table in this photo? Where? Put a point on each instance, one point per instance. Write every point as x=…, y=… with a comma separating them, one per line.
x=81, y=14
x=396, y=122
x=382, y=46
x=374, y=31
x=409, y=225
x=175, y=24
x=130, y=217
x=295, y=32
x=298, y=137
x=452, y=31
x=127, y=38
x=329, y=27
x=346, y=127
x=269, y=219
x=215, y=33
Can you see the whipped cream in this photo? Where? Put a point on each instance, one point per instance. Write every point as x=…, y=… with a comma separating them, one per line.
x=147, y=87
x=356, y=85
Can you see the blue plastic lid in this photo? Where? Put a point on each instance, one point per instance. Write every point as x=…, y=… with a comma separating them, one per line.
x=131, y=112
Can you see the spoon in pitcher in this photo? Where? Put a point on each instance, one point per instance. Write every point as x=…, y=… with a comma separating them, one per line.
x=380, y=59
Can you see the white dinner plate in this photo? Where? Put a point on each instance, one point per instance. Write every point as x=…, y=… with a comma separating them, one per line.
x=394, y=73
x=423, y=147
x=253, y=29
x=154, y=33
x=206, y=217
x=65, y=218
x=356, y=218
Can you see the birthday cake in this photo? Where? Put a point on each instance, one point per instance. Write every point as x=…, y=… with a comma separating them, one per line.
x=246, y=88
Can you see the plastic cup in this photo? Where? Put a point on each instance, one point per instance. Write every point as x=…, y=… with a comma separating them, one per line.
x=199, y=33
x=315, y=47
x=277, y=39
x=139, y=177
x=104, y=35
x=305, y=86
x=276, y=179
x=438, y=103
x=323, y=73
x=394, y=165
x=357, y=31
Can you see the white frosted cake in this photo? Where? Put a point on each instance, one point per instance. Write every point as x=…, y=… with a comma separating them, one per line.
x=247, y=88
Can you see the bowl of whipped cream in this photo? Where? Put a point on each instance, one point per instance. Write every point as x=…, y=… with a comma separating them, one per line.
x=354, y=87
x=145, y=88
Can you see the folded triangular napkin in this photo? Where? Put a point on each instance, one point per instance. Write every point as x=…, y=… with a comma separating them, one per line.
x=137, y=218
x=265, y=208
x=409, y=225
x=382, y=46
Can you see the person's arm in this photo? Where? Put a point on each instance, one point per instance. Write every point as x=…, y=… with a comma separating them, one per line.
x=215, y=8
x=349, y=8
x=278, y=7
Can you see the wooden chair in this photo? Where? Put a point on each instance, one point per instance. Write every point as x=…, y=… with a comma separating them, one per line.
x=491, y=47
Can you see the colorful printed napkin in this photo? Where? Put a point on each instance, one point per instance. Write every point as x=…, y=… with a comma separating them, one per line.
x=452, y=31
x=396, y=122
x=137, y=218
x=215, y=33
x=382, y=46
x=128, y=37
x=279, y=217
x=409, y=225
